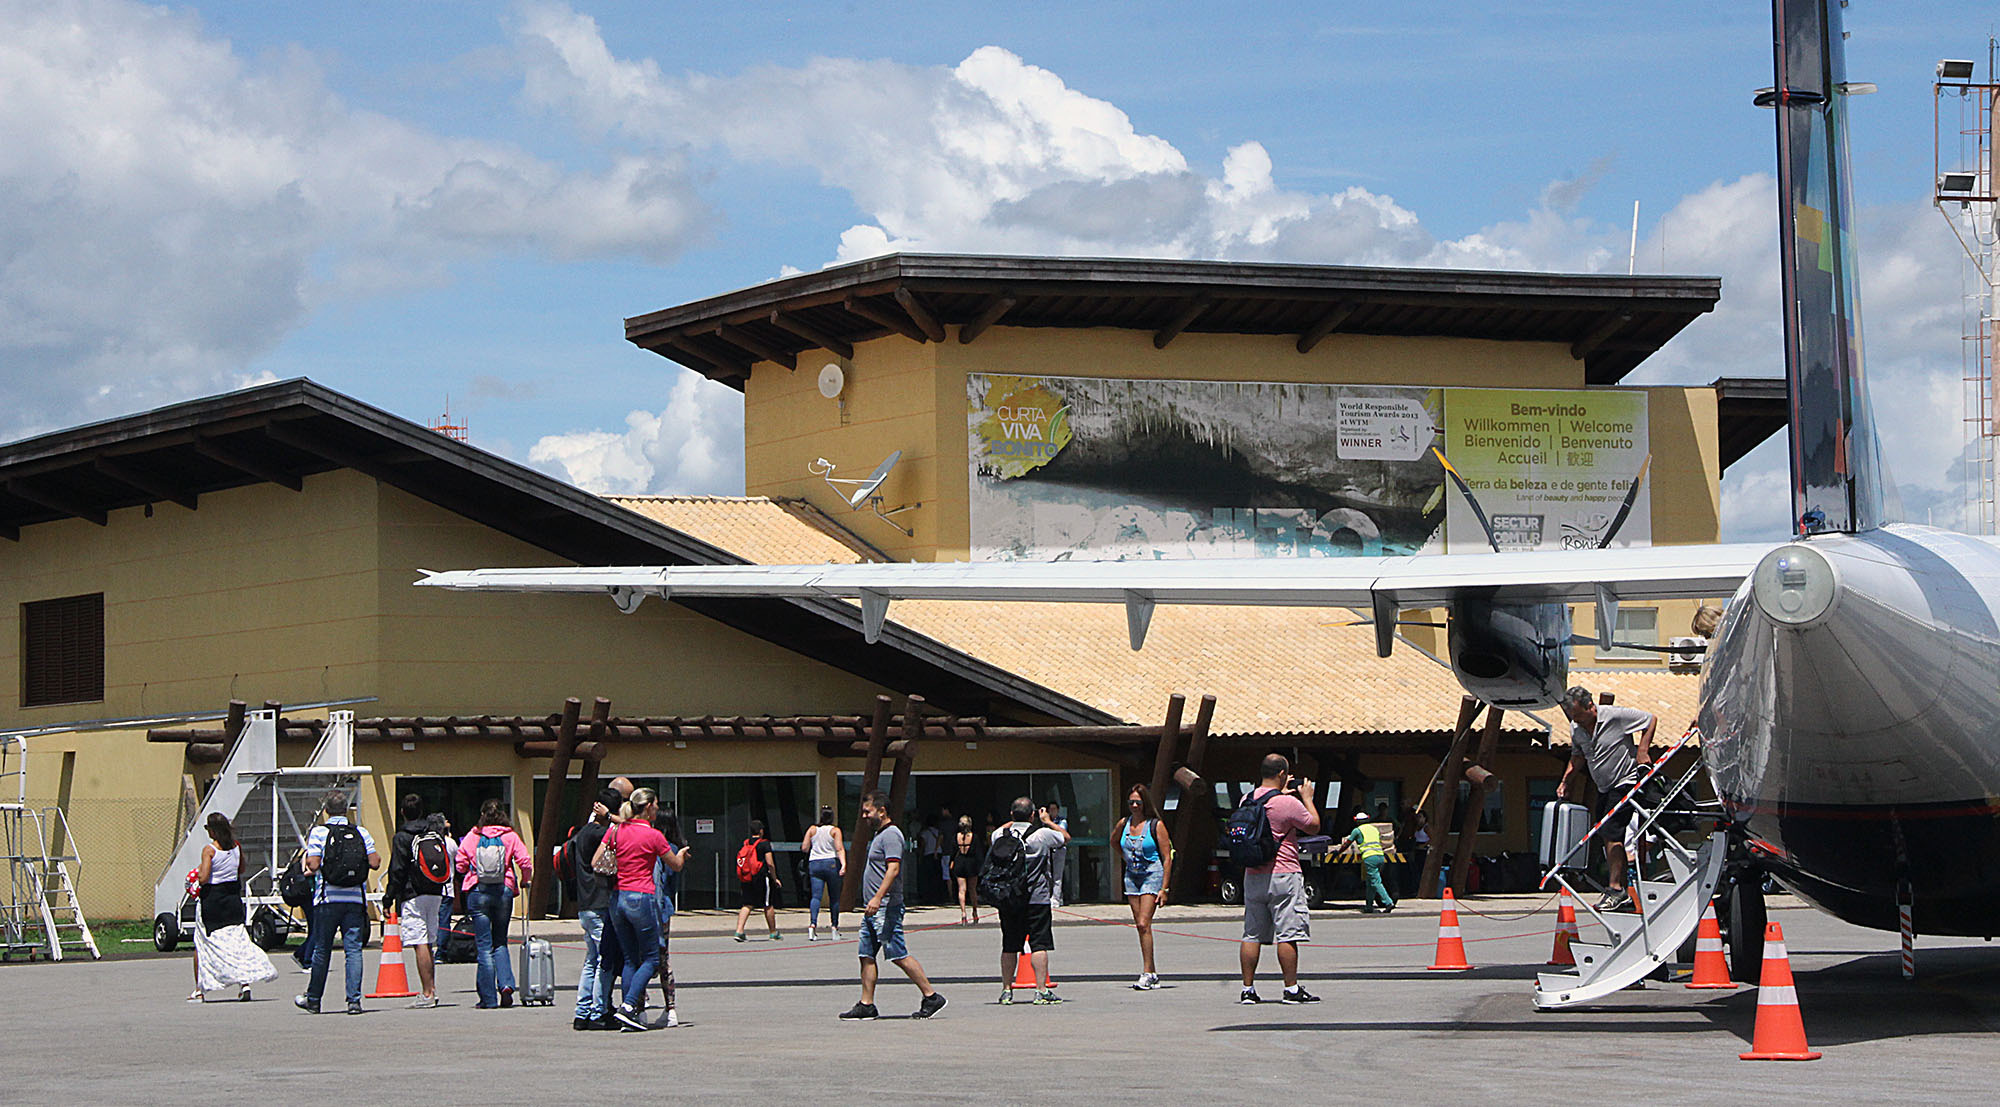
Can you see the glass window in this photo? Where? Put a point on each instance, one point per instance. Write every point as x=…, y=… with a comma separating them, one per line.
x=1639, y=625
x=1492, y=818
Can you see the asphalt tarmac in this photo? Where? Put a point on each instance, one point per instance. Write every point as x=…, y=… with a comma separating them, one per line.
x=763, y=1026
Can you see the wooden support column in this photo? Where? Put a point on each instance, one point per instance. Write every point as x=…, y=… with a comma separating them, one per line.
x=1196, y=815
x=1166, y=747
x=547, y=829
x=1475, y=800
x=864, y=832
x=600, y=733
x=913, y=729
x=1443, y=797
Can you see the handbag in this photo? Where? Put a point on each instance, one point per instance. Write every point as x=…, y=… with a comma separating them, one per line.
x=606, y=861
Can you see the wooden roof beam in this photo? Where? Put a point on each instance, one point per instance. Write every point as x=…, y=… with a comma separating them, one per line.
x=737, y=336
x=1182, y=320
x=56, y=501
x=812, y=334
x=875, y=315
x=249, y=466
x=706, y=363
x=1327, y=324
x=146, y=482
x=1596, y=336
x=921, y=314
x=992, y=313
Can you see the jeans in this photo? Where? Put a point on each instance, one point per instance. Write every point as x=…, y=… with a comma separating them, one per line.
x=588, y=1004
x=637, y=921
x=490, y=910
x=444, y=918
x=352, y=921
x=824, y=875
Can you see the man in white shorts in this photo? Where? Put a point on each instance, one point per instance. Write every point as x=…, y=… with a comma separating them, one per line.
x=418, y=857
x=1274, y=896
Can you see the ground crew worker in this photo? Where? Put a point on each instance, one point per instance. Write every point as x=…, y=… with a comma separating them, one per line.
x=1367, y=841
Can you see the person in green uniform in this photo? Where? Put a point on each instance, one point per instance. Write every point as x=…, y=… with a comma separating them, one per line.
x=1366, y=839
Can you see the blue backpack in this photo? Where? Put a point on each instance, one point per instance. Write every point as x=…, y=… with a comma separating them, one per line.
x=1248, y=832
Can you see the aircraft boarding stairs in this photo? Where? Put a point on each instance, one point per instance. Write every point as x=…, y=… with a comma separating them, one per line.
x=1670, y=909
x=272, y=809
x=39, y=912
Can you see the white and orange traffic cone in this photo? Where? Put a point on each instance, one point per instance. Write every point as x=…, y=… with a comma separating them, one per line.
x=1711, y=970
x=1024, y=972
x=1451, y=948
x=1566, y=931
x=1780, y=1034
x=391, y=979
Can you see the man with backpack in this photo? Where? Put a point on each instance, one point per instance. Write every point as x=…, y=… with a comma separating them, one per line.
x=340, y=855
x=757, y=872
x=1018, y=879
x=419, y=872
x=1263, y=837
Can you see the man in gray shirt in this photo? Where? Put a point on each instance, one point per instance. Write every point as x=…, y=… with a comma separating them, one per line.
x=1614, y=744
x=1030, y=922
x=882, y=914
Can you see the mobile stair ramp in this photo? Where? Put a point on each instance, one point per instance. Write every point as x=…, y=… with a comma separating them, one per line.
x=39, y=912
x=272, y=808
x=1670, y=908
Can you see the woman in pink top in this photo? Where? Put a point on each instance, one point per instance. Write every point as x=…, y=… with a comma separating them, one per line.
x=636, y=845
x=489, y=855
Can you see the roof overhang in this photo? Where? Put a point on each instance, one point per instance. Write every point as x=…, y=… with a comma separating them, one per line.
x=1748, y=410
x=1610, y=323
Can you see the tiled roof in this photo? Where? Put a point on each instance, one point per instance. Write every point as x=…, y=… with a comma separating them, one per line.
x=1273, y=670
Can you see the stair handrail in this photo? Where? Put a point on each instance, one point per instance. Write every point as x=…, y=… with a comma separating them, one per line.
x=1630, y=797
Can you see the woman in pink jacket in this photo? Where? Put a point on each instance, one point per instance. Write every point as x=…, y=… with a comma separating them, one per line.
x=488, y=857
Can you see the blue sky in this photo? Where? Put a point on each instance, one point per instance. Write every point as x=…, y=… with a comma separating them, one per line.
x=409, y=201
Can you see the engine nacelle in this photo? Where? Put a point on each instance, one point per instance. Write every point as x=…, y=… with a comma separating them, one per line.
x=1510, y=654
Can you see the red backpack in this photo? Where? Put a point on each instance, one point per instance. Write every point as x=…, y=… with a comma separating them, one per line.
x=748, y=863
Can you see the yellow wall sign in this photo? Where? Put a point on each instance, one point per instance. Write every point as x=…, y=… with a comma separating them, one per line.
x=1023, y=428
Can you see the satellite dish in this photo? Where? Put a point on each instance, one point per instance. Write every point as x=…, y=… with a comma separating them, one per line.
x=831, y=380
x=866, y=488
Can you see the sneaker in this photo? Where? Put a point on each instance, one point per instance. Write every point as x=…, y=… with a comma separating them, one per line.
x=506, y=997
x=1614, y=900
x=1298, y=995
x=740, y=937
x=1140, y=984
x=244, y=995
x=673, y=1019
x=1248, y=997
x=1043, y=999
x=775, y=936
x=627, y=1019
x=836, y=934
x=812, y=934
x=1006, y=995
x=577, y=1023
x=354, y=1007
x=1148, y=981
x=422, y=1002
x=309, y=1006
x=605, y=1022
x=861, y=1012
x=931, y=1005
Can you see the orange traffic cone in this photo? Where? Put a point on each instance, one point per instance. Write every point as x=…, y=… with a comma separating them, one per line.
x=391, y=981
x=1710, y=969
x=1024, y=972
x=1566, y=931
x=1780, y=1034
x=1451, y=948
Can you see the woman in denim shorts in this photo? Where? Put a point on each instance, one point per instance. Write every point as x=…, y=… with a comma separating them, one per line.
x=1147, y=856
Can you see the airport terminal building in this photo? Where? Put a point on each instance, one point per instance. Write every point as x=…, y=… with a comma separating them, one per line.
x=260, y=546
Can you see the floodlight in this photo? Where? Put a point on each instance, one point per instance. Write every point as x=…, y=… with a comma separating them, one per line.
x=1953, y=69
x=1957, y=183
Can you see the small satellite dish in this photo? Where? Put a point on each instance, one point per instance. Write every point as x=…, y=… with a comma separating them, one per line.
x=831, y=380
x=866, y=488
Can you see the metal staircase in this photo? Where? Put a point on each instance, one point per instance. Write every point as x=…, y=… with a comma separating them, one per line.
x=39, y=912
x=1669, y=908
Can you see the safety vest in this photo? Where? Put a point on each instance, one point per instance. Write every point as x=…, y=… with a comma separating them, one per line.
x=1369, y=837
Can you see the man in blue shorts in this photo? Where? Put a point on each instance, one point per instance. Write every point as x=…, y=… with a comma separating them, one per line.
x=882, y=914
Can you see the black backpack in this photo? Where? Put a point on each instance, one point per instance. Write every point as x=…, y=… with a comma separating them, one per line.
x=1248, y=833
x=343, y=861
x=1003, y=877
x=295, y=884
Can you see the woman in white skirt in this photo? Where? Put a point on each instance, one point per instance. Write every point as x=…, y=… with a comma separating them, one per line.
x=224, y=955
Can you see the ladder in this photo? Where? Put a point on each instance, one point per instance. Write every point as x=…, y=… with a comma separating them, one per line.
x=39, y=912
x=1670, y=907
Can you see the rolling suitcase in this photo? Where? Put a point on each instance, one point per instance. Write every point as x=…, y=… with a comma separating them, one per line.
x=1563, y=827
x=538, y=969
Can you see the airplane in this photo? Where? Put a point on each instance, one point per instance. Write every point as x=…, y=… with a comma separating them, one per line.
x=1849, y=711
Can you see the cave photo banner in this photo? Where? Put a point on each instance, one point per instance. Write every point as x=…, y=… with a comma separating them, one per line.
x=1095, y=468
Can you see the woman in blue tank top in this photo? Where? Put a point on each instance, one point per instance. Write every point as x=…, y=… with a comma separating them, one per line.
x=1147, y=856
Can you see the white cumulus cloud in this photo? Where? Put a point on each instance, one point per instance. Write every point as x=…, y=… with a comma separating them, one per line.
x=694, y=446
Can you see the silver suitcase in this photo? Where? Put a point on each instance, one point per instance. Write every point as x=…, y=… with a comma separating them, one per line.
x=1563, y=827
x=538, y=970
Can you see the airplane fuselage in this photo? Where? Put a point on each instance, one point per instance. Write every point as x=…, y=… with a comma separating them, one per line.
x=1850, y=717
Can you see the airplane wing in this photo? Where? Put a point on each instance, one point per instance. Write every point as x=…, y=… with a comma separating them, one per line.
x=1382, y=584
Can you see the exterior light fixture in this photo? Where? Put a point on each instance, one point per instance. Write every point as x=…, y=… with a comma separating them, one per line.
x=1957, y=183
x=1953, y=69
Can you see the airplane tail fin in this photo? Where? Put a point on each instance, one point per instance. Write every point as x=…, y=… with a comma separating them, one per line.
x=1838, y=479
